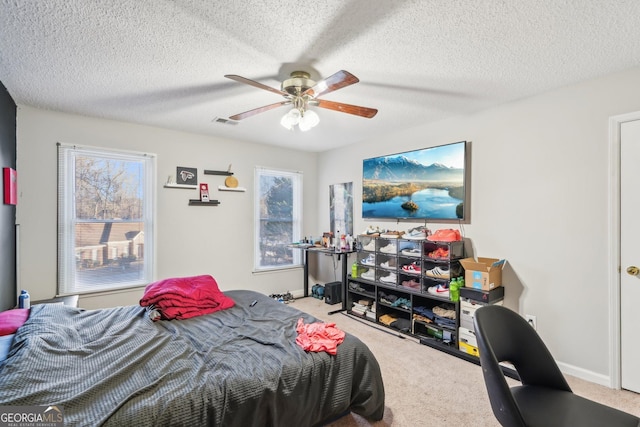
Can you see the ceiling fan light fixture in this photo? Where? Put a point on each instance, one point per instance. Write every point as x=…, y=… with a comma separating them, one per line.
x=290, y=119
x=308, y=120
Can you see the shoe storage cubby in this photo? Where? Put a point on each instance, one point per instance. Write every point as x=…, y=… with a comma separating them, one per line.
x=362, y=289
x=442, y=323
x=398, y=274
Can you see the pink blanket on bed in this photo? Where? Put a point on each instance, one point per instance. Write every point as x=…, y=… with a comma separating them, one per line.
x=185, y=297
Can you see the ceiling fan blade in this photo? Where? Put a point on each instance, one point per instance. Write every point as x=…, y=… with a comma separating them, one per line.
x=334, y=82
x=346, y=108
x=258, y=110
x=255, y=84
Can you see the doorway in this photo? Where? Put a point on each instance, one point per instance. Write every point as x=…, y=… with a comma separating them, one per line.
x=625, y=250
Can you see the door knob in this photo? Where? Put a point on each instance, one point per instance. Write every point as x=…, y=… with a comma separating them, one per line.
x=633, y=270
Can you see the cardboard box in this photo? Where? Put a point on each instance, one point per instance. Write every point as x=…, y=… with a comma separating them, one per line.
x=485, y=273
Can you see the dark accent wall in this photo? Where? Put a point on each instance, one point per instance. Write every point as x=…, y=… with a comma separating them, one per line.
x=8, y=295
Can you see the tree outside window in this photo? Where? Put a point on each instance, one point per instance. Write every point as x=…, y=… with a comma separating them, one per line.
x=105, y=219
x=278, y=206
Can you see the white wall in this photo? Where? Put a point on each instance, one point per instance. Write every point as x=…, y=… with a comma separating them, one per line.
x=190, y=239
x=539, y=198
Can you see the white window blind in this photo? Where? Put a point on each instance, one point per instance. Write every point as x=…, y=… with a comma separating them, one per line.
x=278, y=212
x=105, y=219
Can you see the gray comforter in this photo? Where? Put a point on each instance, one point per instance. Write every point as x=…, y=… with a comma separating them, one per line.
x=237, y=367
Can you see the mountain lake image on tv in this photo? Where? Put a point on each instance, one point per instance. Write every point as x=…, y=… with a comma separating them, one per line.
x=422, y=184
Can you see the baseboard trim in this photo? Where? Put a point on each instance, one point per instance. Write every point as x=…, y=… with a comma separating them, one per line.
x=585, y=374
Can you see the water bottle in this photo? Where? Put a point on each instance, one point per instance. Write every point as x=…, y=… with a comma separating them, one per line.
x=454, y=290
x=24, y=301
x=354, y=270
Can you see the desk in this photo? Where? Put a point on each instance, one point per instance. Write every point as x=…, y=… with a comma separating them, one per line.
x=345, y=267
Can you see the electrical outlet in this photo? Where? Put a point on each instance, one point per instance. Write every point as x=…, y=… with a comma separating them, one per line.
x=531, y=319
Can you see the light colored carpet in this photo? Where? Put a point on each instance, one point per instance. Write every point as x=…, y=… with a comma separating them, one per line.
x=424, y=386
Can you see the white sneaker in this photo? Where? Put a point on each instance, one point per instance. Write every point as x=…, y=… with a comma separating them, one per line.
x=439, y=272
x=372, y=231
x=371, y=246
x=390, y=278
x=369, y=275
x=418, y=233
x=388, y=265
x=411, y=252
x=389, y=249
x=370, y=260
x=439, y=290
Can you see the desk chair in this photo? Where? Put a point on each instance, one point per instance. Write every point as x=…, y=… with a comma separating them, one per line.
x=544, y=398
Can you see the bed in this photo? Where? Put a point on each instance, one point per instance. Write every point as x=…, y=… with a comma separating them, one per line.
x=237, y=367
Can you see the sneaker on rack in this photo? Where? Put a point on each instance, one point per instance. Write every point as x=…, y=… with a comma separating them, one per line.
x=439, y=253
x=390, y=278
x=413, y=284
x=389, y=265
x=445, y=235
x=439, y=290
x=411, y=252
x=371, y=246
x=369, y=275
x=438, y=273
x=370, y=260
x=392, y=234
x=372, y=231
x=389, y=249
x=417, y=233
x=413, y=268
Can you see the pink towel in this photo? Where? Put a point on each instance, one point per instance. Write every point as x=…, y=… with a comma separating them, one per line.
x=319, y=336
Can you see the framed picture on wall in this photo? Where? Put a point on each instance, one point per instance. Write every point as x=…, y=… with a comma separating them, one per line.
x=186, y=176
x=341, y=208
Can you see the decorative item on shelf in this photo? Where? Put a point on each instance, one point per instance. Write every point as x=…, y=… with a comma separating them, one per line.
x=186, y=176
x=230, y=183
x=189, y=182
x=204, y=192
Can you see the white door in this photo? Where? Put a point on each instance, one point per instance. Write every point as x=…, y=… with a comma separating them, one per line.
x=630, y=255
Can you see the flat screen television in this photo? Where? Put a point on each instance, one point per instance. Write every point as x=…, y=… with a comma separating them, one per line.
x=428, y=184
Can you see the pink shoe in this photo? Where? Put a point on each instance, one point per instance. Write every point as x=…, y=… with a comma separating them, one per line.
x=445, y=235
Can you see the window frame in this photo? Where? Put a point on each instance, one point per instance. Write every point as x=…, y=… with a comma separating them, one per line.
x=297, y=181
x=66, y=257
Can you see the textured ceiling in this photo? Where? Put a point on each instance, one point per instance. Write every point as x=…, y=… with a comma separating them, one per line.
x=163, y=62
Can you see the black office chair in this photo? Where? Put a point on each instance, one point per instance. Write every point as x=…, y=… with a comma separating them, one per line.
x=544, y=398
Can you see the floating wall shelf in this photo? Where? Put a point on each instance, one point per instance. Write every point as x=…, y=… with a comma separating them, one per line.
x=210, y=172
x=185, y=186
x=225, y=188
x=197, y=202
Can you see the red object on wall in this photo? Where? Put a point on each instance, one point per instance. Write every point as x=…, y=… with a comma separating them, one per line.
x=204, y=192
x=10, y=186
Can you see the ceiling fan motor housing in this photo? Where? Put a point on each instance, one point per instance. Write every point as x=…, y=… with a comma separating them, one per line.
x=298, y=83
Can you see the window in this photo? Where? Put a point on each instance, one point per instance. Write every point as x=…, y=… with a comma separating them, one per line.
x=278, y=207
x=105, y=219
